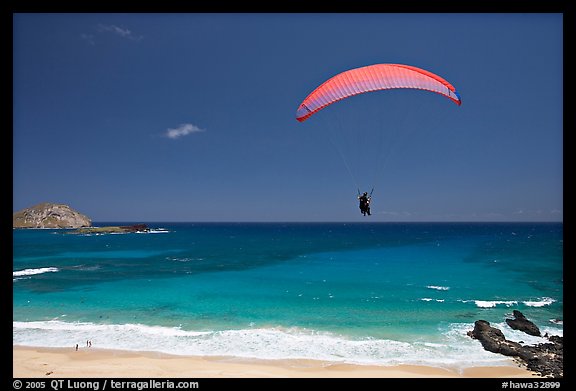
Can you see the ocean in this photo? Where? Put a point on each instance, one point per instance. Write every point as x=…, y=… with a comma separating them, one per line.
x=363, y=293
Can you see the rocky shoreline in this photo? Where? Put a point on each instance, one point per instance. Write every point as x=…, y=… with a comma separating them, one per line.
x=546, y=359
x=122, y=229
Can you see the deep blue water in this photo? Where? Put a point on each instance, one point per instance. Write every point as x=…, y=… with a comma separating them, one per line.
x=384, y=293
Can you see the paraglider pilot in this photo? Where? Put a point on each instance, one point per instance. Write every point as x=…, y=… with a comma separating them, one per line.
x=365, y=203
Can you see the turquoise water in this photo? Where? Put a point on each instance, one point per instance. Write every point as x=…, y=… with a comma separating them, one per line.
x=383, y=294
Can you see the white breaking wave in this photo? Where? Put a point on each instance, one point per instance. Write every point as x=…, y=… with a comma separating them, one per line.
x=438, y=288
x=455, y=349
x=490, y=304
x=509, y=303
x=540, y=303
x=31, y=272
x=154, y=231
x=527, y=339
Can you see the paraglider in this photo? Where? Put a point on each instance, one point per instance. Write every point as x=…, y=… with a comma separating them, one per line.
x=368, y=79
x=373, y=78
x=365, y=203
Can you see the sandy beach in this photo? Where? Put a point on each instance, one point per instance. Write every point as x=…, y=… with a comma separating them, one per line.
x=99, y=363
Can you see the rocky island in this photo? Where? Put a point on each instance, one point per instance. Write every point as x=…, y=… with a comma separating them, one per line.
x=49, y=215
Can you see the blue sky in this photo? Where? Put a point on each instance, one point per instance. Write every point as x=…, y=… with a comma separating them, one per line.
x=191, y=117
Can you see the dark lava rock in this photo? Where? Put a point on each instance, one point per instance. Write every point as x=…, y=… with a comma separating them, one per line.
x=547, y=359
x=521, y=323
x=135, y=228
x=493, y=340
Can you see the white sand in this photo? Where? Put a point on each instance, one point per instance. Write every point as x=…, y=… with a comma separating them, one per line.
x=103, y=363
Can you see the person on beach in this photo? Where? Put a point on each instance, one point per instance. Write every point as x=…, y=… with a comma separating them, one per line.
x=76, y=347
x=365, y=203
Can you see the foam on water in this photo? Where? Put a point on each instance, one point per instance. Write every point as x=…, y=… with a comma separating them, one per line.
x=453, y=351
x=527, y=339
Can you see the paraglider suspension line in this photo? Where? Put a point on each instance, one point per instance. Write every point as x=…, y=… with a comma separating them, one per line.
x=345, y=161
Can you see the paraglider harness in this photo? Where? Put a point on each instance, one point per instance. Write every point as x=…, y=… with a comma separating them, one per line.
x=365, y=202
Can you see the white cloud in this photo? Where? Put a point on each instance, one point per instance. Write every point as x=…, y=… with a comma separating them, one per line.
x=120, y=31
x=182, y=130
